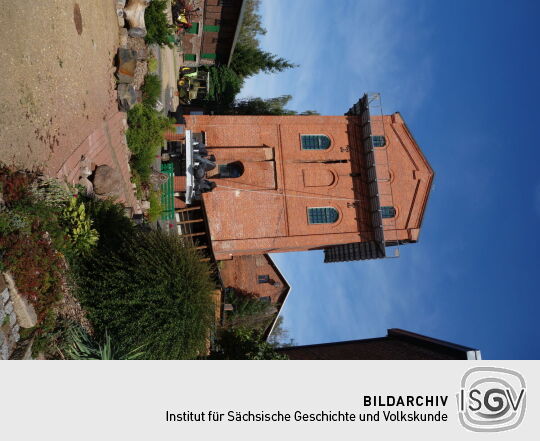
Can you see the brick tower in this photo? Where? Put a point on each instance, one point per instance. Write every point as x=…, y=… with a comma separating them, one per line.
x=350, y=185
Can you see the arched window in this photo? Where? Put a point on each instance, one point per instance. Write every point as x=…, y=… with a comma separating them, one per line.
x=388, y=212
x=315, y=142
x=231, y=170
x=378, y=141
x=322, y=215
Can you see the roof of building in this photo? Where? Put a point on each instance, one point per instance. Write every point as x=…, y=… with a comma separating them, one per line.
x=284, y=296
x=238, y=28
x=376, y=248
x=406, y=339
x=428, y=165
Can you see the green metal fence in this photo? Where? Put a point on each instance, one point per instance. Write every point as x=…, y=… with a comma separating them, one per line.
x=167, y=193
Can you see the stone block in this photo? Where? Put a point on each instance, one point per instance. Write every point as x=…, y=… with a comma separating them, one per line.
x=123, y=36
x=5, y=295
x=26, y=314
x=127, y=96
x=127, y=62
x=3, y=284
x=4, y=351
x=107, y=181
x=13, y=339
x=87, y=185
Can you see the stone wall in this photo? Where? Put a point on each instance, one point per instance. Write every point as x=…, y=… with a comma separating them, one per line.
x=15, y=313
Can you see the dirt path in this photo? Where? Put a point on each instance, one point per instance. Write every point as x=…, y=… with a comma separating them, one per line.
x=57, y=77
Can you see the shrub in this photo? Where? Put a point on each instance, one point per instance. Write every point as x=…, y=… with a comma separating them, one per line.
x=248, y=310
x=244, y=344
x=152, y=64
x=77, y=344
x=15, y=184
x=78, y=227
x=13, y=222
x=145, y=137
x=109, y=220
x=151, y=291
x=155, y=206
x=158, y=29
x=41, y=216
x=151, y=90
x=50, y=192
x=36, y=267
x=136, y=179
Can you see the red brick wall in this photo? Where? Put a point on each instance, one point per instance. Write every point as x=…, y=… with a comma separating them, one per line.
x=212, y=13
x=242, y=273
x=171, y=135
x=266, y=208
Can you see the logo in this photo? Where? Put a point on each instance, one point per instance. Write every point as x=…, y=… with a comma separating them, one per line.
x=491, y=399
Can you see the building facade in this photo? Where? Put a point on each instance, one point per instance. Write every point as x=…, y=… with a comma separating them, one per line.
x=255, y=274
x=213, y=33
x=350, y=185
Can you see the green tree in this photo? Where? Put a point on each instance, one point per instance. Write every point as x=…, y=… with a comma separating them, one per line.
x=251, y=25
x=248, y=310
x=145, y=137
x=249, y=60
x=244, y=344
x=270, y=106
x=224, y=84
x=158, y=29
x=260, y=106
x=280, y=335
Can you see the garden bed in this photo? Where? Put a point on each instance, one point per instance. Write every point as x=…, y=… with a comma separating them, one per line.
x=101, y=287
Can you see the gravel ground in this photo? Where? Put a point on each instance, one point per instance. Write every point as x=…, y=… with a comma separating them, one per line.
x=57, y=72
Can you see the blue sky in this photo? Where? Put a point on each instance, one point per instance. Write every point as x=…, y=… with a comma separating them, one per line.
x=465, y=76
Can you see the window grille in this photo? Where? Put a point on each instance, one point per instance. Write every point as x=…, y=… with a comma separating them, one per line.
x=378, y=141
x=388, y=212
x=322, y=215
x=315, y=142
